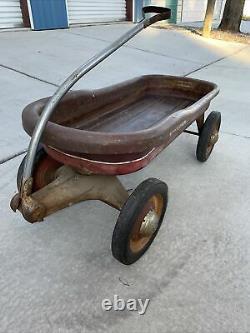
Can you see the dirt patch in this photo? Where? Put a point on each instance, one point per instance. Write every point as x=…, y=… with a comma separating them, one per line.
x=215, y=33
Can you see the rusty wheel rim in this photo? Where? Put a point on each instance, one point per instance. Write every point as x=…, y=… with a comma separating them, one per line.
x=146, y=223
x=214, y=137
x=45, y=172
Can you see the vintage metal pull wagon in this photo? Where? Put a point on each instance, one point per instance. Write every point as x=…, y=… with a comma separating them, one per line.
x=82, y=140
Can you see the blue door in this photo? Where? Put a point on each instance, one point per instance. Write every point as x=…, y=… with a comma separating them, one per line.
x=49, y=14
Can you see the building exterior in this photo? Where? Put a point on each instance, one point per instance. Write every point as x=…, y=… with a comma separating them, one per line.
x=41, y=14
x=194, y=10
x=10, y=14
x=51, y=14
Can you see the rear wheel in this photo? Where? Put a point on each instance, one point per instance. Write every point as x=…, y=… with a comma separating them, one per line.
x=209, y=136
x=44, y=170
x=139, y=221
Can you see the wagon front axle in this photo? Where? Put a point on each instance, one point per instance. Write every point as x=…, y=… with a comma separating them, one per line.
x=68, y=188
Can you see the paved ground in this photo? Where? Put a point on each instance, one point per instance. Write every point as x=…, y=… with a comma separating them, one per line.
x=54, y=275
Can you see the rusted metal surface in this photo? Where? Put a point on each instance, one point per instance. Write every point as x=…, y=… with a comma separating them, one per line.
x=131, y=117
x=101, y=133
x=48, y=110
x=116, y=130
x=213, y=138
x=105, y=164
x=146, y=223
x=31, y=209
x=68, y=188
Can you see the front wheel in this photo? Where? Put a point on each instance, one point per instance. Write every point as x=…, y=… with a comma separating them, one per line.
x=139, y=221
x=44, y=170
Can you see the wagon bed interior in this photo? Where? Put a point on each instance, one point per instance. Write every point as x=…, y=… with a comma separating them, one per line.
x=133, y=106
x=137, y=115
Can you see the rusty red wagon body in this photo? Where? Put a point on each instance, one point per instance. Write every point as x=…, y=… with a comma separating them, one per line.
x=87, y=138
x=120, y=129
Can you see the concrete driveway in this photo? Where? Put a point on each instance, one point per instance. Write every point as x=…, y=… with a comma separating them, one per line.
x=54, y=275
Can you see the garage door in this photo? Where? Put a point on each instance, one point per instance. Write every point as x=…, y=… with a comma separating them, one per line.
x=10, y=14
x=88, y=11
x=194, y=10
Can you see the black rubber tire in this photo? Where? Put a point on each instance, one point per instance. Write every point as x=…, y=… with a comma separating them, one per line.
x=129, y=215
x=211, y=125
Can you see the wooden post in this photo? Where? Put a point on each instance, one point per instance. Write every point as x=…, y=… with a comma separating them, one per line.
x=129, y=10
x=25, y=13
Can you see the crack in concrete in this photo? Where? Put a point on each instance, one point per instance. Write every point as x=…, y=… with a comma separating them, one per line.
x=130, y=47
x=134, y=48
x=28, y=75
x=238, y=135
x=11, y=157
x=216, y=61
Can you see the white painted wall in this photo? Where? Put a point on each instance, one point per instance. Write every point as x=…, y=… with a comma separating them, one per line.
x=194, y=10
x=247, y=8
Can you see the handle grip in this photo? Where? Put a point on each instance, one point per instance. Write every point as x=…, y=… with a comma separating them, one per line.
x=162, y=13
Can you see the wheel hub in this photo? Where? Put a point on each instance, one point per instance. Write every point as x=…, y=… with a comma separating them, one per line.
x=149, y=224
x=214, y=138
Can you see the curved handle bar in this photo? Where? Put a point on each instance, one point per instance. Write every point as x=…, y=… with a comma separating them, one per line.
x=161, y=14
